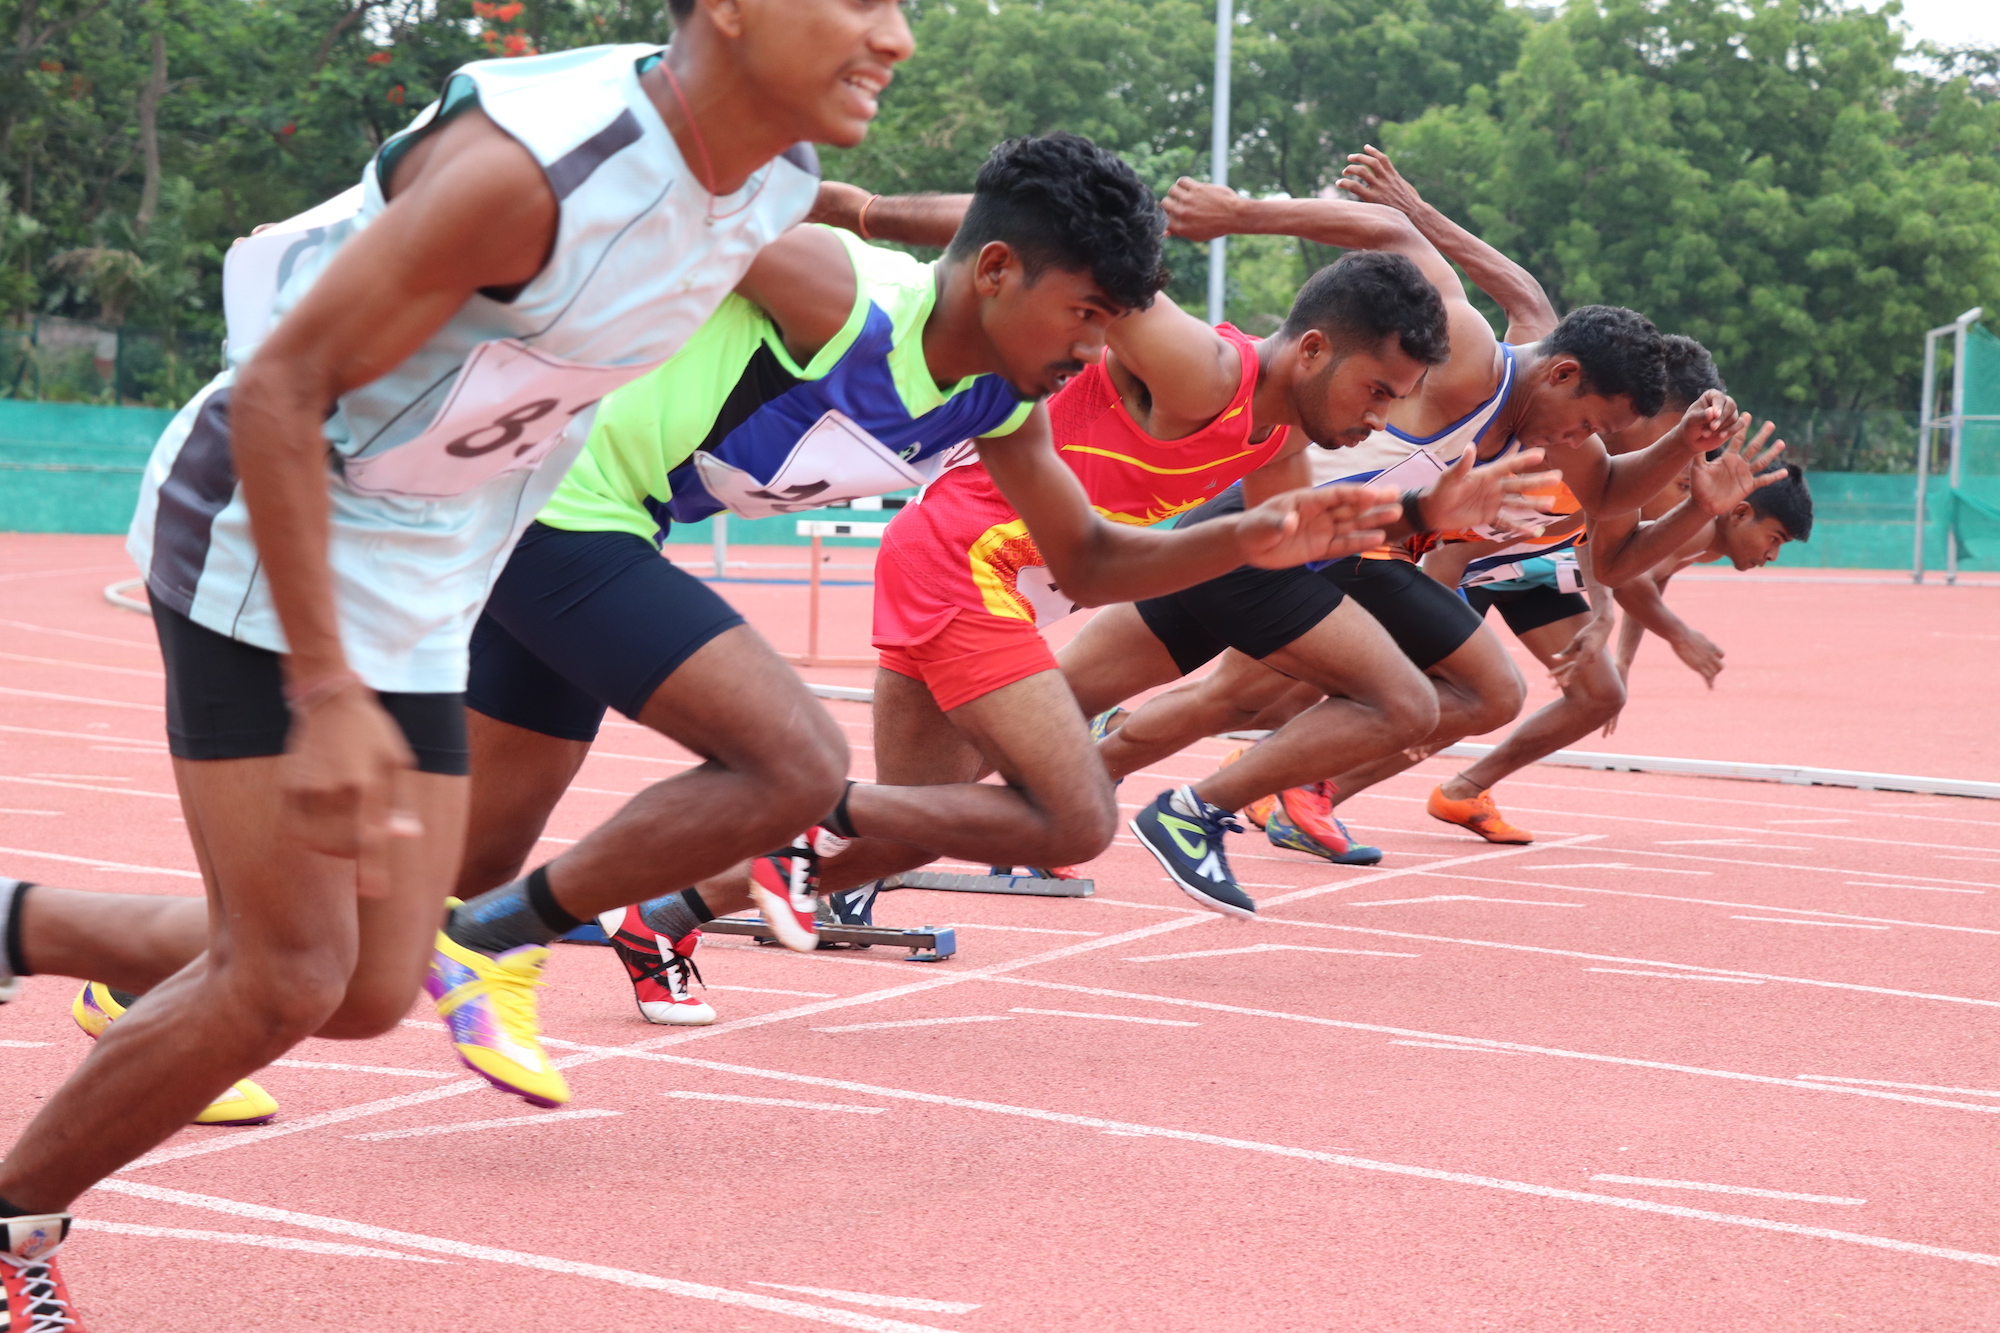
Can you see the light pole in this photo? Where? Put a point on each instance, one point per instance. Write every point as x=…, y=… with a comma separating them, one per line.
x=1927, y=424
x=1218, y=165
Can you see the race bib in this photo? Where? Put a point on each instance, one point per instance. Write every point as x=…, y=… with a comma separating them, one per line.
x=1038, y=586
x=257, y=266
x=507, y=410
x=834, y=460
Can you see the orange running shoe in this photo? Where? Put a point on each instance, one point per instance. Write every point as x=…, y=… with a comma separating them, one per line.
x=1478, y=814
x=1258, y=812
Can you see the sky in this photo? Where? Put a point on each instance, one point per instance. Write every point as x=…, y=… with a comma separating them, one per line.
x=1951, y=22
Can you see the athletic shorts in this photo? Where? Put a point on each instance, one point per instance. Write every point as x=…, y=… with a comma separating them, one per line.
x=1528, y=608
x=1428, y=621
x=226, y=700
x=582, y=621
x=974, y=654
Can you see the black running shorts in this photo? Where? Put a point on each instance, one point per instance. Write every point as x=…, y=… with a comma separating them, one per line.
x=582, y=621
x=1428, y=621
x=1528, y=608
x=226, y=700
x=1255, y=611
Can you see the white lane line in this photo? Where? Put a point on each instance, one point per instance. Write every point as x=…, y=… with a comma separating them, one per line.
x=1914, y=1087
x=1942, y=856
x=248, y=1238
x=81, y=786
x=1717, y=902
x=1808, y=821
x=1738, y=864
x=4, y=811
x=1315, y=1020
x=603, y=791
x=1353, y=1163
x=778, y=1101
x=1115, y=1018
x=884, y=1302
x=80, y=699
x=363, y=1069
x=1796, y=921
x=98, y=863
x=24, y=1045
x=917, y=1023
x=1676, y=976
x=1150, y=907
x=79, y=634
x=1730, y=1189
x=1373, y=877
x=1619, y=865
x=1739, y=804
x=82, y=666
x=1459, y=898
x=467, y=1126
x=86, y=736
x=1617, y=958
x=1024, y=930
x=822, y=1314
x=1260, y=948
x=1758, y=843
x=82, y=777
x=767, y=990
x=1927, y=888
x=1449, y=1046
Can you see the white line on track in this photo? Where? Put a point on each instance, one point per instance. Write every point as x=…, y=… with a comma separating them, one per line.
x=1737, y=863
x=1793, y=921
x=1115, y=1018
x=1730, y=1189
x=766, y=990
x=778, y=1101
x=82, y=777
x=467, y=1126
x=917, y=1023
x=1676, y=976
x=1927, y=888
x=363, y=1069
x=1023, y=930
x=1737, y=803
x=99, y=863
x=248, y=1238
x=1619, y=865
x=438, y=1245
x=1342, y=1160
x=24, y=1045
x=1758, y=843
x=79, y=634
x=1450, y=1046
x=1841, y=917
x=82, y=666
x=80, y=699
x=79, y=786
x=29, y=812
x=1916, y=1087
x=883, y=1302
x=1462, y=898
x=1804, y=821
x=1260, y=948
x=83, y=736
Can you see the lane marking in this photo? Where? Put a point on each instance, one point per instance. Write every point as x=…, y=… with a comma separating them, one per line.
x=82, y=666
x=1876, y=811
x=1717, y=902
x=1024, y=930
x=1730, y=1189
x=80, y=786
x=885, y=1302
x=1353, y=1163
x=1449, y=1046
x=79, y=634
x=1621, y=865
x=917, y=1023
x=1150, y=907
x=1261, y=948
x=1461, y=898
x=1676, y=976
x=767, y=990
x=467, y=1126
x=822, y=1314
x=80, y=699
x=1794, y=921
x=1737, y=863
x=778, y=1101
x=24, y=1045
x=1808, y=821
x=30, y=812
x=363, y=1069
x=1927, y=888
x=84, y=736
x=82, y=777
x=1917, y=1087
x=1115, y=1018
x=1724, y=842
x=1386, y=1030
x=99, y=863
x=248, y=1238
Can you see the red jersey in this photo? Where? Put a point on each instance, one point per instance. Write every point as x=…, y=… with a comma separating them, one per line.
x=961, y=547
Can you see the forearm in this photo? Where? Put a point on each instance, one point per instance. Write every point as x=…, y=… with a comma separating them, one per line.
x=1521, y=298
x=1348, y=225
x=1117, y=562
x=280, y=458
x=1630, y=480
x=910, y=219
x=1644, y=546
x=1648, y=609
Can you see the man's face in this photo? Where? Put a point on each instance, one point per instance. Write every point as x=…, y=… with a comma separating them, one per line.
x=1645, y=431
x=820, y=64
x=1041, y=330
x=1343, y=398
x=1751, y=542
x=1563, y=412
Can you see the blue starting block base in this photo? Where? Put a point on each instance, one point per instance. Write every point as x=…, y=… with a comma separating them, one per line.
x=587, y=933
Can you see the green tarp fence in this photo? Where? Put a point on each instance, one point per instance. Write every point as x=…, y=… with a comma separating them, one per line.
x=1971, y=510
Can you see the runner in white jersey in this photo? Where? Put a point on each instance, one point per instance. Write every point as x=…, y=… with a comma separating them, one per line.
x=320, y=526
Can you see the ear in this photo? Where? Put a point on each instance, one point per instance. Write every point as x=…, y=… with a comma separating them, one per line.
x=725, y=15
x=1564, y=370
x=990, y=267
x=1312, y=350
x=1742, y=513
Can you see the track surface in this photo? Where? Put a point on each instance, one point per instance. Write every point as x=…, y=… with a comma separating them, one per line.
x=1426, y=1097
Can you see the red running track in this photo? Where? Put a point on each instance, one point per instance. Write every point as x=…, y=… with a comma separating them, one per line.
x=1474, y=1089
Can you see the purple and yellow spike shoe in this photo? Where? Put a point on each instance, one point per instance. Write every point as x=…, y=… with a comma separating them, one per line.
x=488, y=1003
x=242, y=1103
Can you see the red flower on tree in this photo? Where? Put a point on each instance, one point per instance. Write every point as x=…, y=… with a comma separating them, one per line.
x=396, y=95
x=381, y=58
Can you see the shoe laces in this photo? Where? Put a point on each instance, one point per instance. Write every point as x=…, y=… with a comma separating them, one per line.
x=47, y=1311
x=514, y=996
x=683, y=968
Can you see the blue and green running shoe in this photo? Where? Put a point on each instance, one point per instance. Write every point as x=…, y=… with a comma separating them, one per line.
x=1184, y=834
x=1302, y=819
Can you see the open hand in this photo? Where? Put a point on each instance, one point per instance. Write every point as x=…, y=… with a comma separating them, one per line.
x=1718, y=485
x=1586, y=645
x=1199, y=211
x=1701, y=655
x=1316, y=523
x=1370, y=177
x=342, y=759
x=1493, y=495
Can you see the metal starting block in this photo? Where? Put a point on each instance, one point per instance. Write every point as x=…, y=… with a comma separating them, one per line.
x=1033, y=886
x=930, y=944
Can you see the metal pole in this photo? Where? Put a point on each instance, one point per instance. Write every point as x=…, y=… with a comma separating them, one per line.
x=1957, y=436
x=720, y=534
x=812, y=612
x=1218, y=153
x=1926, y=410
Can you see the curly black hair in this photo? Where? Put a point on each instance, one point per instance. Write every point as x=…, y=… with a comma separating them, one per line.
x=1621, y=353
x=679, y=9
x=1058, y=199
x=1367, y=295
x=1691, y=372
x=1789, y=501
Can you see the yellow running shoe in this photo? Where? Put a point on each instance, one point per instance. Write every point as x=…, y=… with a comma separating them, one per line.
x=488, y=1002
x=94, y=1008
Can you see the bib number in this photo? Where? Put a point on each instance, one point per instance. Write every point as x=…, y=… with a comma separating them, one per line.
x=507, y=410
x=834, y=460
x=1050, y=603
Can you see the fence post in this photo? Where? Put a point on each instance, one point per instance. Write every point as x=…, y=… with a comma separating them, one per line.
x=720, y=550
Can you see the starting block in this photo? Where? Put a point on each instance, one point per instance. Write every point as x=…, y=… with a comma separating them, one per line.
x=1032, y=886
x=930, y=944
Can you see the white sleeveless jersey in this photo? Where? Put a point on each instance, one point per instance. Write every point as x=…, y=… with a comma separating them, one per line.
x=1408, y=462
x=436, y=468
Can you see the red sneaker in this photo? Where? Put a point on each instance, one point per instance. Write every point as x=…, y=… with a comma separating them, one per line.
x=33, y=1298
x=784, y=886
x=659, y=969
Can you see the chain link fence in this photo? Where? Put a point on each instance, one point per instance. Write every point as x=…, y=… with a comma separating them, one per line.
x=54, y=360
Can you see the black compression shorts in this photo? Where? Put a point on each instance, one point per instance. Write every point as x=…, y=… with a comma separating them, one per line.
x=1428, y=621
x=226, y=700
x=584, y=620
x=1528, y=608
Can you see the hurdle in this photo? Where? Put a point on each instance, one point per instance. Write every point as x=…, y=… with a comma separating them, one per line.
x=818, y=529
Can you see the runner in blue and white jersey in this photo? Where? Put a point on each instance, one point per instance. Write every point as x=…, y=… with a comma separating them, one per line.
x=320, y=525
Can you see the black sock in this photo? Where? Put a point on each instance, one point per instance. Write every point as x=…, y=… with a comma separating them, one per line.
x=10, y=1210
x=676, y=914
x=13, y=891
x=837, y=822
x=523, y=912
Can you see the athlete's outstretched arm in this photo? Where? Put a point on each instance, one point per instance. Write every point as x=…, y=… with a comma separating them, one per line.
x=1625, y=548
x=1096, y=562
x=806, y=283
x=909, y=219
x=1645, y=605
x=1372, y=178
x=470, y=209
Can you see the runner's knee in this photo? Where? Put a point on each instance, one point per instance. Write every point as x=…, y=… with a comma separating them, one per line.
x=1411, y=711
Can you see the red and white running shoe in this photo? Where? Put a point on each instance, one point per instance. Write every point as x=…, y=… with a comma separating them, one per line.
x=33, y=1298
x=784, y=885
x=659, y=969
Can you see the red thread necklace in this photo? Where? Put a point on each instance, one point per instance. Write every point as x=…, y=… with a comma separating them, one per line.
x=701, y=146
